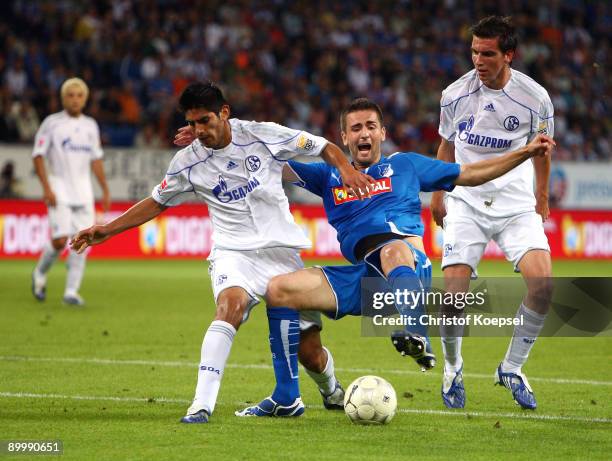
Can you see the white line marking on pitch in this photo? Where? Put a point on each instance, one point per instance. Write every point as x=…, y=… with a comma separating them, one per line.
x=264, y=366
x=535, y=416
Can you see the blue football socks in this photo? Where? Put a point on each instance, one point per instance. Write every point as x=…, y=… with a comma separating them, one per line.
x=404, y=280
x=284, y=325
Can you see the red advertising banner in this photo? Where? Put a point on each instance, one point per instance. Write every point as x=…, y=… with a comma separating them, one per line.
x=185, y=232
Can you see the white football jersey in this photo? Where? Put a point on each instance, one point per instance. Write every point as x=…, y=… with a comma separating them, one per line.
x=69, y=144
x=242, y=184
x=482, y=122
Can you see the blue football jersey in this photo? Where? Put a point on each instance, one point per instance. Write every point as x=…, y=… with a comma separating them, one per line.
x=394, y=206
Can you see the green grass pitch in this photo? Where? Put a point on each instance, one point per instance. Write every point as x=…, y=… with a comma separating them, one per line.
x=111, y=380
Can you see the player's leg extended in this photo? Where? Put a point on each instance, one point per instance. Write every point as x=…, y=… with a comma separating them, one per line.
x=399, y=264
x=318, y=362
x=304, y=289
x=536, y=268
x=216, y=346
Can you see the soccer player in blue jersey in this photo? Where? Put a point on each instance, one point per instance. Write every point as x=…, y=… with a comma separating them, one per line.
x=382, y=235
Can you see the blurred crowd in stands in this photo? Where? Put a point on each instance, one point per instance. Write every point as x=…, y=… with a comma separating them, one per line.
x=294, y=62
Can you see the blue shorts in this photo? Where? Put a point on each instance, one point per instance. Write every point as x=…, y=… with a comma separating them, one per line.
x=345, y=281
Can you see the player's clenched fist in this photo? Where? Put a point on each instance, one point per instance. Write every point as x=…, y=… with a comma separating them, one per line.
x=88, y=237
x=357, y=182
x=541, y=145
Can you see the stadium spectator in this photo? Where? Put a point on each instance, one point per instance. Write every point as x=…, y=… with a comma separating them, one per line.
x=305, y=64
x=8, y=181
x=25, y=119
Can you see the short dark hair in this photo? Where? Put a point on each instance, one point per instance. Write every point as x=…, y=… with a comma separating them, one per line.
x=202, y=95
x=360, y=104
x=500, y=27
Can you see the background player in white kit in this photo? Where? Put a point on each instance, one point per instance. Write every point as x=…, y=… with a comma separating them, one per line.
x=235, y=167
x=70, y=141
x=492, y=110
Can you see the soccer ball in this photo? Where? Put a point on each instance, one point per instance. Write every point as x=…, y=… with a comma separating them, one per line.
x=370, y=400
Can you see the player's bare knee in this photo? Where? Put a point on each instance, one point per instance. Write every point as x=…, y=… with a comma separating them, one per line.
x=59, y=243
x=277, y=293
x=231, y=311
x=540, y=290
x=457, y=278
x=396, y=254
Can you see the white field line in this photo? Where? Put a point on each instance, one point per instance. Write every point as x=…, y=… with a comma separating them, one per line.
x=533, y=416
x=263, y=366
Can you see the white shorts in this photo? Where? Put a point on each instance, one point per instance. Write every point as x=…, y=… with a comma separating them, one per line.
x=252, y=270
x=467, y=232
x=66, y=220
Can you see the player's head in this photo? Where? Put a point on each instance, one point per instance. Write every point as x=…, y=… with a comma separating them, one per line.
x=362, y=130
x=74, y=93
x=207, y=113
x=493, y=46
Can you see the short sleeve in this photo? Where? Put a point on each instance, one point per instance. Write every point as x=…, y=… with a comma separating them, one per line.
x=174, y=188
x=42, y=140
x=447, y=127
x=97, y=152
x=312, y=176
x=435, y=174
x=286, y=143
x=545, y=123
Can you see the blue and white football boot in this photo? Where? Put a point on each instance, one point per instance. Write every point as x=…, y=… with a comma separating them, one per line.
x=268, y=407
x=334, y=400
x=415, y=346
x=453, y=392
x=519, y=386
x=199, y=417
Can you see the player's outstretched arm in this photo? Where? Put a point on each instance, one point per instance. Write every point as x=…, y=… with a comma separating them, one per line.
x=143, y=211
x=475, y=174
x=354, y=181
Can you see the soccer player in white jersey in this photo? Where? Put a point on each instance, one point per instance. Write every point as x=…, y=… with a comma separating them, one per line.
x=235, y=167
x=70, y=141
x=491, y=110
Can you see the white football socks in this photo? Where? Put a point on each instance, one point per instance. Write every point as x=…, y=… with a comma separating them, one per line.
x=523, y=339
x=216, y=348
x=47, y=258
x=326, y=380
x=76, y=269
x=451, y=347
